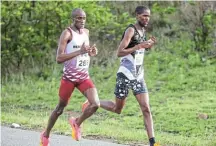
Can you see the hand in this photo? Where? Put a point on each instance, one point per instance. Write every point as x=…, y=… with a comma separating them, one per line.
x=85, y=49
x=153, y=39
x=93, y=51
x=145, y=44
x=151, y=42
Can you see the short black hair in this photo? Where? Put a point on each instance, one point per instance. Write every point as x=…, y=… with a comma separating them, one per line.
x=141, y=9
x=74, y=12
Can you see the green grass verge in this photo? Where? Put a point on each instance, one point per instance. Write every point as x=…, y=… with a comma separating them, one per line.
x=180, y=90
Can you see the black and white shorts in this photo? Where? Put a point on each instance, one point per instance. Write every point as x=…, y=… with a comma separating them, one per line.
x=123, y=84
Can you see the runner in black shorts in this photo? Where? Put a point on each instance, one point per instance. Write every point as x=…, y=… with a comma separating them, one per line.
x=123, y=84
x=131, y=72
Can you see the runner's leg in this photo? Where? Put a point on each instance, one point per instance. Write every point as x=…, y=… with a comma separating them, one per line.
x=115, y=107
x=88, y=89
x=121, y=92
x=65, y=91
x=143, y=100
x=141, y=92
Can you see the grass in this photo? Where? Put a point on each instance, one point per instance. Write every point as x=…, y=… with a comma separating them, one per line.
x=180, y=89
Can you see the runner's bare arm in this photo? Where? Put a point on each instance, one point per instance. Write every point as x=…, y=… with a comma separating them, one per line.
x=124, y=43
x=61, y=56
x=126, y=40
x=64, y=38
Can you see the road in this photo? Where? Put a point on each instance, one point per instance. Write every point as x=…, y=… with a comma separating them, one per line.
x=18, y=137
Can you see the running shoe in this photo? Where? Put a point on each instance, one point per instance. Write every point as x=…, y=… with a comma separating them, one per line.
x=76, y=130
x=44, y=141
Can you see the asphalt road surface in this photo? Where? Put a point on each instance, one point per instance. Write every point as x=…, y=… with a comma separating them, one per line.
x=18, y=137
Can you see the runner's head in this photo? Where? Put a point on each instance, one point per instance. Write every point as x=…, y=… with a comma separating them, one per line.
x=79, y=18
x=142, y=15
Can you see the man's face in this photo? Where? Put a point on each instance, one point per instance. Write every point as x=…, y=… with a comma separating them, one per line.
x=80, y=19
x=143, y=18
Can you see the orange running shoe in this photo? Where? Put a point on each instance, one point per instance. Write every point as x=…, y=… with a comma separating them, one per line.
x=84, y=105
x=44, y=141
x=156, y=144
x=76, y=130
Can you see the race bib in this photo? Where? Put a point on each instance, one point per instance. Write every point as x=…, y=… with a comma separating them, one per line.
x=139, y=57
x=83, y=61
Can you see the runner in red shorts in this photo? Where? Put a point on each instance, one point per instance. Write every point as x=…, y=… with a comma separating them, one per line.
x=74, y=51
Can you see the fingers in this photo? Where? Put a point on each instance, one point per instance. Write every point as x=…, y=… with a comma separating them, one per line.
x=146, y=44
x=92, y=51
x=153, y=39
x=94, y=45
x=85, y=49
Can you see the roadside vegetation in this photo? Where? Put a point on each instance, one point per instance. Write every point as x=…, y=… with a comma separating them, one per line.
x=180, y=71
